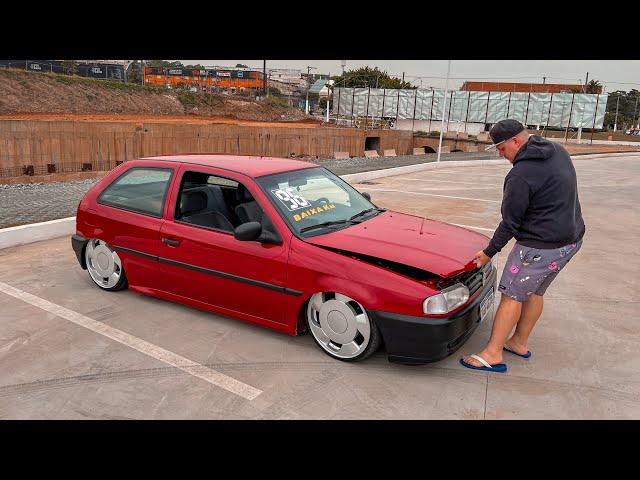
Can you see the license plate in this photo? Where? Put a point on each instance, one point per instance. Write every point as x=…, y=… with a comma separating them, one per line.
x=486, y=305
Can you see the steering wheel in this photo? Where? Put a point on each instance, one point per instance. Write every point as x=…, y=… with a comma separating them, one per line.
x=321, y=200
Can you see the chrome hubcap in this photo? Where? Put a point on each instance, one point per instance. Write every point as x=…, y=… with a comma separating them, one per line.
x=339, y=324
x=103, y=264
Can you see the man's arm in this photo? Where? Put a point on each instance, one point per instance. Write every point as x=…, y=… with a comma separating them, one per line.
x=515, y=202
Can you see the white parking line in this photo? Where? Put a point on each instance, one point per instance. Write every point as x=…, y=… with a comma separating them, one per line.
x=216, y=378
x=453, y=181
x=433, y=195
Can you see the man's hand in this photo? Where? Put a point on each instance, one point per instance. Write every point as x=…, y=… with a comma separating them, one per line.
x=481, y=259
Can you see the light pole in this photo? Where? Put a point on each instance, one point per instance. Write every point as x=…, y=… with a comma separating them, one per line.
x=306, y=108
x=446, y=86
x=615, y=122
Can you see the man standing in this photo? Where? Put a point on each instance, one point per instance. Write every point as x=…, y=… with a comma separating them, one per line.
x=541, y=210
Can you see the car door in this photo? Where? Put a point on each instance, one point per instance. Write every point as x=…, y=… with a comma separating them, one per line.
x=208, y=265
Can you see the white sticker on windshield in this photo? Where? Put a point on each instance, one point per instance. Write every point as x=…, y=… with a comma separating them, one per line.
x=291, y=199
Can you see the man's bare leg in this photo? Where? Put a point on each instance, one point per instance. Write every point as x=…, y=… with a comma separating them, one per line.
x=507, y=315
x=531, y=311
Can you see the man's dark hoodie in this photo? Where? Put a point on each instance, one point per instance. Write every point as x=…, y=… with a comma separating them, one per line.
x=540, y=206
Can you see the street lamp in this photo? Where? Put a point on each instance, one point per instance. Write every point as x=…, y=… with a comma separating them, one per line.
x=308, y=86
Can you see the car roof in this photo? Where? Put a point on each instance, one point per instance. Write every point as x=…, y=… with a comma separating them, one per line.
x=253, y=166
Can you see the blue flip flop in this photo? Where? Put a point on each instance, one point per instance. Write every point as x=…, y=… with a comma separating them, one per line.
x=497, y=367
x=525, y=355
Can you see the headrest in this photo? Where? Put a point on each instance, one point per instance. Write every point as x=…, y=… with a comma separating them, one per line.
x=242, y=194
x=193, y=202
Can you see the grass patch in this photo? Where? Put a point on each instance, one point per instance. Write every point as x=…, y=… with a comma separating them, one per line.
x=276, y=102
x=187, y=99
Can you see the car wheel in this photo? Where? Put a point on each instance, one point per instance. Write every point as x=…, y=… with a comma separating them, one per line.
x=104, y=266
x=341, y=327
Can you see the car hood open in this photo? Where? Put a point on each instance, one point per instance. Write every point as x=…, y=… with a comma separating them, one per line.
x=430, y=245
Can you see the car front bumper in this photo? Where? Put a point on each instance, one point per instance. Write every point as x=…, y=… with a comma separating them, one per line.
x=419, y=340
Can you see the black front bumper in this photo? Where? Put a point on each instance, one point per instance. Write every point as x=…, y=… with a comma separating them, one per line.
x=419, y=340
x=78, y=242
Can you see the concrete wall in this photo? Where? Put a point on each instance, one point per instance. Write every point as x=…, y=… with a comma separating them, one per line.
x=430, y=125
x=454, y=144
x=102, y=144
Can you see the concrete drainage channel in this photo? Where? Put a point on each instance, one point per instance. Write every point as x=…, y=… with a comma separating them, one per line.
x=35, y=232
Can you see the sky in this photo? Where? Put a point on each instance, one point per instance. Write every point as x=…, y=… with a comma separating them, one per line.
x=612, y=74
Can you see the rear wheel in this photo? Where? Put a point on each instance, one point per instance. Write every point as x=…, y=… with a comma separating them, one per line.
x=341, y=327
x=104, y=266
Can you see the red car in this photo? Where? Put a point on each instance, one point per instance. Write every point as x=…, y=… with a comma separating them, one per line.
x=287, y=245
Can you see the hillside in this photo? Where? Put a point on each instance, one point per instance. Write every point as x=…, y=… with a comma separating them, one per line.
x=31, y=95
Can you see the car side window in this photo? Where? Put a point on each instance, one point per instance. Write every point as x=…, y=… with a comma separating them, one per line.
x=207, y=201
x=141, y=190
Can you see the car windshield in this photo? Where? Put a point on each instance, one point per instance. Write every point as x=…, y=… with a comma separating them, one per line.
x=314, y=201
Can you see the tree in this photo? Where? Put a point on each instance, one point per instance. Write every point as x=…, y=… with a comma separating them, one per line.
x=370, y=77
x=69, y=67
x=134, y=76
x=239, y=65
x=594, y=86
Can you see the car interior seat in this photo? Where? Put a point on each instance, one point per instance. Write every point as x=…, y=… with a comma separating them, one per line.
x=248, y=210
x=194, y=210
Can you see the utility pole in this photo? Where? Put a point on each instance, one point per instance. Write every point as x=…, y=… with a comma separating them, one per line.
x=446, y=86
x=615, y=122
x=306, y=108
x=264, y=74
x=584, y=90
x=634, y=111
x=586, y=82
x=142, y=72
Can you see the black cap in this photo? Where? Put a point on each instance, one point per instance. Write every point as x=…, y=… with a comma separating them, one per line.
x=504, y=130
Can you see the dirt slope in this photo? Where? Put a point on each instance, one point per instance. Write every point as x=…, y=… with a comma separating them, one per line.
x=33, y=95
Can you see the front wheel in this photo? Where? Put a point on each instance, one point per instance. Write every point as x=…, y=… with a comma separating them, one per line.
x=104, y=266
x=341, y=327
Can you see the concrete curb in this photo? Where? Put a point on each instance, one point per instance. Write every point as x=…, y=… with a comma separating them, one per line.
x=35, y=232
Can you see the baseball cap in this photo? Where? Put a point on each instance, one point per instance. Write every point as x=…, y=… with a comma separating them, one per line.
x=504, y=130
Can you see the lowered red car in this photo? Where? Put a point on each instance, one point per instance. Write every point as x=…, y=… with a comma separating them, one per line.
x=287, y=245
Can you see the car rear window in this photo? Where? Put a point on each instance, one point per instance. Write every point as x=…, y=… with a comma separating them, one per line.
x=140, y=190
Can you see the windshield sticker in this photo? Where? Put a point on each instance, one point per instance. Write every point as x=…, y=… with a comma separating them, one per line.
x=313, y=211
x=290, y=199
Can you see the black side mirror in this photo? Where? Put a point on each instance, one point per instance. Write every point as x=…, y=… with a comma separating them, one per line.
x=247, y=232
x=366, y=195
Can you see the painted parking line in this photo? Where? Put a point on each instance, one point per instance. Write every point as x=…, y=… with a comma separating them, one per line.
x=205, y=373
x=433, y=195
x=453, y=181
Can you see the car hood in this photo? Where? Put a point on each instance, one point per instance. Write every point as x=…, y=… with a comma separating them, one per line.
x=436, y=247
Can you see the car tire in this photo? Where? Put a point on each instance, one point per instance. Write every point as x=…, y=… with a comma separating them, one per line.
x=104, y=266
x=341, y=327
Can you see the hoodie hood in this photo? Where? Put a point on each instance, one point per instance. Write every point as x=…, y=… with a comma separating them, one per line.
x=430, y=245
x=537, y=148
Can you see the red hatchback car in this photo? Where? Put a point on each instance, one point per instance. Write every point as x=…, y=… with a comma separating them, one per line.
x=287, y=245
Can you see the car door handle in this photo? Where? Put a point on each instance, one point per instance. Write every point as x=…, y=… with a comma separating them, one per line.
x=173, y=243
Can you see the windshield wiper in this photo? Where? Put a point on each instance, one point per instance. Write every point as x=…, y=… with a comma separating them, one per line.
x=328, y=224
x=364, y=212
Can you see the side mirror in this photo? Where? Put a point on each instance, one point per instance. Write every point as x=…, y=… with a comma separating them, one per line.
x=247, y=232
x=366, y=195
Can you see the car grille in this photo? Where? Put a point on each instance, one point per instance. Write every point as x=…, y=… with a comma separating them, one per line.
x=476, y=278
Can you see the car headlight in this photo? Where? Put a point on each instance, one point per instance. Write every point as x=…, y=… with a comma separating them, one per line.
x=448, y=299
